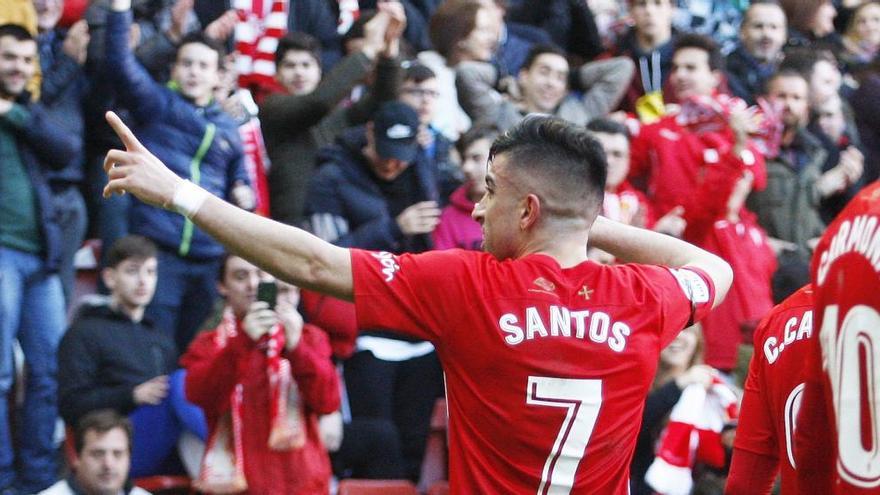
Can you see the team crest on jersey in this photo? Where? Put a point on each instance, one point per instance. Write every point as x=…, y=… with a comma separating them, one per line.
x=695, y=288
x=389, y=264
x=545, y=284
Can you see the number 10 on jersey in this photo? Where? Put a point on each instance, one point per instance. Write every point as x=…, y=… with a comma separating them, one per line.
x=582, y=400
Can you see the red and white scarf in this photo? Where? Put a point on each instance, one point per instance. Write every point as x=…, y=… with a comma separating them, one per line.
x=261, y=24
x=693, y=433
x=256, y=158
x=222, y=469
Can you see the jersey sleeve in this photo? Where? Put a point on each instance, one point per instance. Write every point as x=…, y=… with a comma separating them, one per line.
x=412, y=294
x=686, y=296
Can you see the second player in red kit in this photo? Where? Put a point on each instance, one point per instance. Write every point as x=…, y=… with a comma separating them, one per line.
x=764, y=444
x=839, y=424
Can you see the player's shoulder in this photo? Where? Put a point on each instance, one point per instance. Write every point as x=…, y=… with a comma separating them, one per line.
x=794, y=305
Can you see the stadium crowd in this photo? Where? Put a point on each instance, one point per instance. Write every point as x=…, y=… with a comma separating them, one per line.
x=741, y=127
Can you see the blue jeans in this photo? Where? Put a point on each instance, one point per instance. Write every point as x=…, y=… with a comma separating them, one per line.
x=157, y=428
x=185, y=295
x=31, y=310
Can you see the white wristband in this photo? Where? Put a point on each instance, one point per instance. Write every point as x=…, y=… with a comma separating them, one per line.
x=188, y=198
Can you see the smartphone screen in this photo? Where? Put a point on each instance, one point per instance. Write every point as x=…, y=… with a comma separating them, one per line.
x=268, y=292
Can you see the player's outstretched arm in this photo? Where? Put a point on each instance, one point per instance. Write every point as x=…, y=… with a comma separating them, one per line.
x=634, y=245
x=288, y=253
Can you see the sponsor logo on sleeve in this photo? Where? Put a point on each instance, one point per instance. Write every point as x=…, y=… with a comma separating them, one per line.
x=694, y=287
x=389, y=264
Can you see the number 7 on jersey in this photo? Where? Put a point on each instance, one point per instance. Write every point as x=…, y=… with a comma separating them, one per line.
x=582, y=400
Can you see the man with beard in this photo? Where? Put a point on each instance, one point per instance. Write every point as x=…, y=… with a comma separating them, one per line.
x=31, y=299
x=789, y=207
x=762, y=35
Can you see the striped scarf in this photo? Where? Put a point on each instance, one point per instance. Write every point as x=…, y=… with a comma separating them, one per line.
x=262, y=24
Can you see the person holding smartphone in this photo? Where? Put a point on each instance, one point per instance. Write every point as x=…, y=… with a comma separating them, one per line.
x=263, y=377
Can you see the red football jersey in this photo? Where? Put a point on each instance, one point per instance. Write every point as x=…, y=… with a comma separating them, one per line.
x=546, y=368
x=839, y=423
x=775, y=383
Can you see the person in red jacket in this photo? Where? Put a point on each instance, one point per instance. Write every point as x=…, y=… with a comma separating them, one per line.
x=262, y=377
x=699, y=160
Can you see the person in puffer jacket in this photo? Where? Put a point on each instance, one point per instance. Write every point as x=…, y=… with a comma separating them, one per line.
x=199, y=142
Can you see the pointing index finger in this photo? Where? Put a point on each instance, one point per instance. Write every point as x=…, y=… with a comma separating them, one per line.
x=131, y=143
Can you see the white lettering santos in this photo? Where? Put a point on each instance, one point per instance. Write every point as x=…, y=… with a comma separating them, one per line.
x=558, y=321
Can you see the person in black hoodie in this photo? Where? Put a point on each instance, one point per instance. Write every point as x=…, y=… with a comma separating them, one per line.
x=112, y=357
x=376, y=191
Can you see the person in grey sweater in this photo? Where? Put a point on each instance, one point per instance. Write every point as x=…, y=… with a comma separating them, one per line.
x=542, y=87
x=307, y=116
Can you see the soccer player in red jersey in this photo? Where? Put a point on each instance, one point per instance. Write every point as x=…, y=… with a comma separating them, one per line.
x=838, y=433
x=764, y=443
x=548, y=356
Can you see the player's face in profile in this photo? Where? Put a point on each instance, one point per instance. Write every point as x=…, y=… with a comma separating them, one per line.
x=496, y=211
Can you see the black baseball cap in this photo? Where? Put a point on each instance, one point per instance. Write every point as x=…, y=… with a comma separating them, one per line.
x=395, y=128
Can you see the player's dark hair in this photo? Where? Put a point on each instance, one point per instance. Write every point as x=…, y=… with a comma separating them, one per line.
x=604, y=125
x=561, y=154
x=100, y=421
x=701, y=42
x=301, y=42
x=201, y=39
x=538, y=50
x=16, y=31
x=130, y=247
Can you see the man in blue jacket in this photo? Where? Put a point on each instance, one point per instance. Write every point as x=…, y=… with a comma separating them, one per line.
x=192, y=134
x=31, y=299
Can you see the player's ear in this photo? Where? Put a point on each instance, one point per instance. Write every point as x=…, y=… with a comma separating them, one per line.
x=530, y=211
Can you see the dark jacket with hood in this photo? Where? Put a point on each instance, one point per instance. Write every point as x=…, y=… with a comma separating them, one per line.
x=345, y=203
x=104, y=356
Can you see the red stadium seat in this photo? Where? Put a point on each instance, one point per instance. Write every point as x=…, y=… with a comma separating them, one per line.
x=376, y=487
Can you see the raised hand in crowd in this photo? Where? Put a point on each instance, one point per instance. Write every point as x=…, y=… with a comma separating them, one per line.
x=742, y=123
x=293, y=323
x=76, y=43
x=374, y=34
x=152, y=391
x=738, y=196
x=395, y=28
x=847, y=172
x=672, y=223
x=221, y=28
x=420, y=218
x=259, y=320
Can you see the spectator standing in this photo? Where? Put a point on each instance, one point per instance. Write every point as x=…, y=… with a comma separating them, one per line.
x=307, y=115
x=103, y=444
x=63, y=94
x=704, y=171
x=789, y=208
x=31, y=296
x=98, y=370
x=376, y=191
x=262, y=377
x=757, y=54
x=420, y=90
x=200, y=141
x=811, y=24
x=649, y=43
